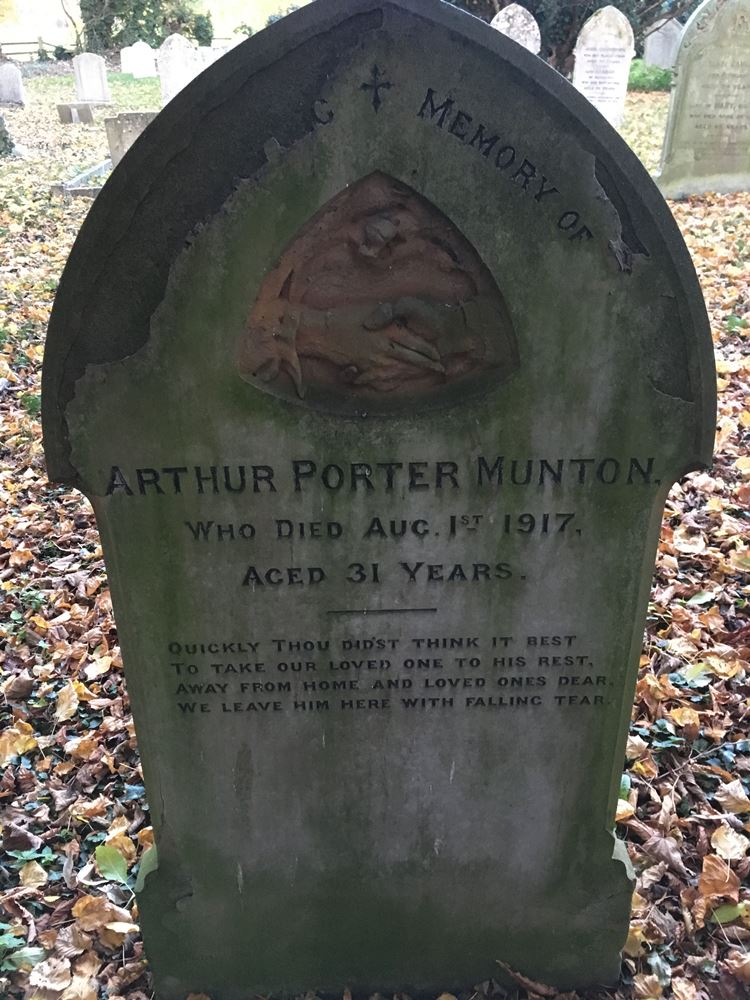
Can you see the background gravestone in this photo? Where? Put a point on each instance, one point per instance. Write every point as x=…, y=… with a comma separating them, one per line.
x=662, y=44
x=91, y=79
x=603, y=54
x=378, y=402
x=178, y=63
x=75, y=114
x=519, y=24
x=11, y=84
x=139, y=60
x=707, y=144
x=123, y=130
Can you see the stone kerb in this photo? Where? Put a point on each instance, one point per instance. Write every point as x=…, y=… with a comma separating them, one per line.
x=519, y=24
x=604, y=51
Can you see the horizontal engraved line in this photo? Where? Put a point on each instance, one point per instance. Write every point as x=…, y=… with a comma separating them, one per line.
x=386, y=611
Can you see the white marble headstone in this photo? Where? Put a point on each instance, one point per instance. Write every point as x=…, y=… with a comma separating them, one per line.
x=519, y=24
x=662, y=44
x=139, y=60
x=603, y=54
x=179, y=62
x=11, y=84
x=91, y=79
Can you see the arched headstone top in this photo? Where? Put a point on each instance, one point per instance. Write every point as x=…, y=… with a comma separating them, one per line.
x=608, y=22
x=376, y=357
x=175, y=43
x=181, y=172
x=519, y=23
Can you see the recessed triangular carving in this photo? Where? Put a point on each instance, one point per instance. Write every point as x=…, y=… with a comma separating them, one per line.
x=379, y=298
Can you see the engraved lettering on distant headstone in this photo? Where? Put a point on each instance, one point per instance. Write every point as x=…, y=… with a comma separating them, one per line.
x=603, y=54
x=707, y=144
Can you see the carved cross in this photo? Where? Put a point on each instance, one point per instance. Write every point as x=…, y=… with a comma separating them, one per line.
x=376, y=85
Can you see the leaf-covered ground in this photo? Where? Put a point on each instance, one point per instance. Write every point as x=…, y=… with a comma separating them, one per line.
x=74, y=820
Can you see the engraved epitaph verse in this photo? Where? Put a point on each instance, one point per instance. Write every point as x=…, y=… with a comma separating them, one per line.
x=362, y=663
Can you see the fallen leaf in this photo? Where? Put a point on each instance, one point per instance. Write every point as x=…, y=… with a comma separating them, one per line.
x=33, y=876
x=624, y=811
x=717, y=880
x=16, y=740
x=684, y=989
x=733, y=797
x=729, y=844
x=52, y=974
x=738, y=963
x=67, y=703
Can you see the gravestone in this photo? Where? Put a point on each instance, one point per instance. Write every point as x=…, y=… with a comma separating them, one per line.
x=139, y=60
x=707, y=144
x=519, y=24
x=123, y=130
x=662, y=44
x=603, y=54
x=75, y=114
x=11, y=84
x=378, y=401
x=178, y=63
x=91, y=79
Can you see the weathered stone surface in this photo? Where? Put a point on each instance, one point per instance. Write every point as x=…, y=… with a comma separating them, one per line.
x=123, y=130
x=91, y=79
x=662, y=44
x=603, y=54
x=377, y=357
x=707, y=145
x=11, y=84
x=519, y=24
x=6, y=143
x=139, y=60
x=179, y=63
x=74, y=114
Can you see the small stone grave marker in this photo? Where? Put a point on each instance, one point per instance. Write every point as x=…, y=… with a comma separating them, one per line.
x=378, y=390
x=123, y=130
x=707, y=144
x=662, y=44
x=11, y=84
x=75, y=113
x=179, y=62
x=603, y=54
x=91, y=79
x=519, y=24
x=139, y=60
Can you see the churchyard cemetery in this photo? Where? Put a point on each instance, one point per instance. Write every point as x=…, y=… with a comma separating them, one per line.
x=374, y=535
